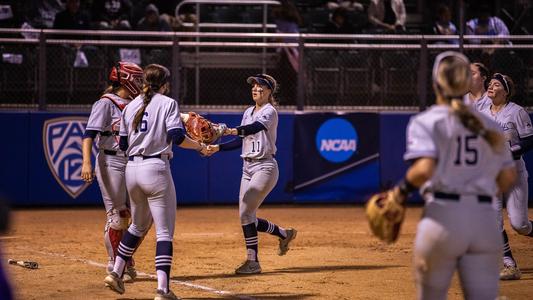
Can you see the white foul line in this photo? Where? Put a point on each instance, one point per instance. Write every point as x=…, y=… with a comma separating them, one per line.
x=185, y=283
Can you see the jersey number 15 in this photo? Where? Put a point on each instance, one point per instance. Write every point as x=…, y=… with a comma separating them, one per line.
x=466, y=150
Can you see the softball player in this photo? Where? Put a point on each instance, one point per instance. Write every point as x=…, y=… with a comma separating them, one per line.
x=257, y=134
x=459, y=161
x=518, y=131
x=477, y=96
x=104, y=121
x=149, y=126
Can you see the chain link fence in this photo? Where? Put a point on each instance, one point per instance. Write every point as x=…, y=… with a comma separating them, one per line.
x=68, y=69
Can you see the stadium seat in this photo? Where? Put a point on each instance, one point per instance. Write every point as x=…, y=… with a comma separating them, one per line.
x=357, y=77
x=157, y=56
x=18, y=71
x=316, y=19
x=90, y=81
x=59, y=65
x=324, y=77
x=398, y=74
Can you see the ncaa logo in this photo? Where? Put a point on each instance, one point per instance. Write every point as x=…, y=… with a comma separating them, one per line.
x=336, y=140
x=62, y=142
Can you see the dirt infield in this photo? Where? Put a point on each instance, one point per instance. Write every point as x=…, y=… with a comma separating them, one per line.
x=333, y=257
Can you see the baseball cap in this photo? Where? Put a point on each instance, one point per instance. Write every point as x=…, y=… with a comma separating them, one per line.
x=262, y=79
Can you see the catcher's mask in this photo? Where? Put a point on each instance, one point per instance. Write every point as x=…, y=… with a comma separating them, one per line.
x=129, y=76
x=263, y=79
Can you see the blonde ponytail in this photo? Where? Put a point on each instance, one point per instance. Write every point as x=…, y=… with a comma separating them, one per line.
x=472, y=123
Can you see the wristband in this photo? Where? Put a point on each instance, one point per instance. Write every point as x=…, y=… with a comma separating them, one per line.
x=406, y=187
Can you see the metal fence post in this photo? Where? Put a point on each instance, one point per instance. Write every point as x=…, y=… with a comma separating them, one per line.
x=42, y=71
x=196, y=60
x=263, y=57
x=176, y=68
x=300, y=89
x=461, y=25
x=422, y=74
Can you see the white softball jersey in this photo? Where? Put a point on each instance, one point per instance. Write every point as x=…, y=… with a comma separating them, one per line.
x=515, y=123
x=105, y=117
x=262, y=144
x=466, y=163
x=149, y=139
x=482, y=103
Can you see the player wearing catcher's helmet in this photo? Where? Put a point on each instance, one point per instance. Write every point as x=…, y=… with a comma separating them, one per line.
x=104, y=123
x=517, y=128
x=257, y=137
x=150, y=125
x=460, y=162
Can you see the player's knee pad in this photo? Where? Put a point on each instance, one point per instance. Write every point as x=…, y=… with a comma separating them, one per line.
x=522, y=228
x=118, y=220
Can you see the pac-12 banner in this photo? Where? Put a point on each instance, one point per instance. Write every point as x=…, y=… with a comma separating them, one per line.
x=336, y=157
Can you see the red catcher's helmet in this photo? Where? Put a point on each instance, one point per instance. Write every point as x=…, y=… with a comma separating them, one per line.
x=129, y=75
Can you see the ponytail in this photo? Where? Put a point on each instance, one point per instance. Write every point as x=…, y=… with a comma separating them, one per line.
x=472, y=123
x=148, y=94
x=154, y=77
x=112, y=88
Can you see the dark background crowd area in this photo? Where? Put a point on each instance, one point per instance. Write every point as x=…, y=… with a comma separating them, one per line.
x=311, y=16
x=332, y=76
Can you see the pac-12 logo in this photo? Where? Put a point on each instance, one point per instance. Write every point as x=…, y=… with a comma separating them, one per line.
x=336, y=140
x=62, y=142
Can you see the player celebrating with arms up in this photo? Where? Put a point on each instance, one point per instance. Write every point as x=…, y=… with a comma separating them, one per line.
x=257, y=137
x=126, y=82
x=518, y=131
x=150, y=125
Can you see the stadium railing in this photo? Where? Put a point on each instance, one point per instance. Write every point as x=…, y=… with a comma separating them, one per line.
x=65, y=69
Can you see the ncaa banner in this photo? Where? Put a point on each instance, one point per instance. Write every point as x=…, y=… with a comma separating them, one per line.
x=336, y=157
x=62, y=143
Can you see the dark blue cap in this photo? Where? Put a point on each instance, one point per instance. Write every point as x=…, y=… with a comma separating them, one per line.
x=262, y=80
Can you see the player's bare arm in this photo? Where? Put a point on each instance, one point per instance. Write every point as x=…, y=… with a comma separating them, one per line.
x=87, y=172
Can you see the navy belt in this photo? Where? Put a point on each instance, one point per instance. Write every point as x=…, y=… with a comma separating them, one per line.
x=144, y=157
x=112, y=152
x=456, y=197
x=108, y=133
x=248, y=159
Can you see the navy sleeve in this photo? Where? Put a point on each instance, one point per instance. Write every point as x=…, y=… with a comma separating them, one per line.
x=235, y=143
x=90, y=134
x=253, y=128
x=123, y=143
x=176, y=136
x=526, y=144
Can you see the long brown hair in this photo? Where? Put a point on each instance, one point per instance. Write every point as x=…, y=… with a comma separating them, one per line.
x=112, y=89
x=154, y=77
x=451, y=78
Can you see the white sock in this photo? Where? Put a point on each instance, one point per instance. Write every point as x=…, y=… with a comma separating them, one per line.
x=250, y=254
x=120, y=264
x=162, y=281
x=282, y=232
